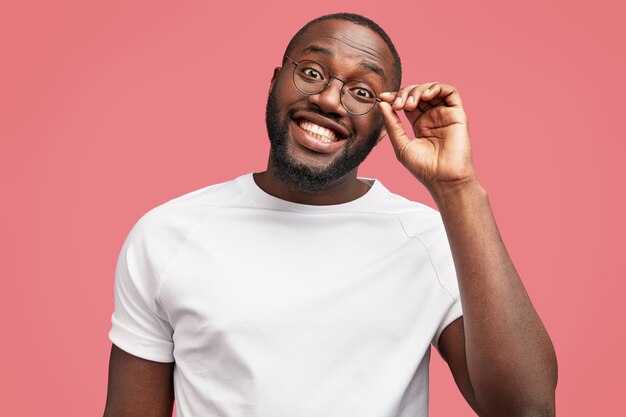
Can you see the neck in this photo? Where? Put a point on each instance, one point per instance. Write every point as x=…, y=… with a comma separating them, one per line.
x=346, y=189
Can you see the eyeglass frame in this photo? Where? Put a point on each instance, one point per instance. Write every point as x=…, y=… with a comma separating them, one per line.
x=330, y=77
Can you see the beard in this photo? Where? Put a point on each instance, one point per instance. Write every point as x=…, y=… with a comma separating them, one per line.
x=299, y=176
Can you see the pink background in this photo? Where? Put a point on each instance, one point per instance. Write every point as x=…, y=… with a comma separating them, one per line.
x=108, y=109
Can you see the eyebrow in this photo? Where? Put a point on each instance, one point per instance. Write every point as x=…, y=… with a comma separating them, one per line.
x=325, y=51
x=319, y=49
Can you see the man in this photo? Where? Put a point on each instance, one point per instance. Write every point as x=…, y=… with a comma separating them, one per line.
x=306, y=291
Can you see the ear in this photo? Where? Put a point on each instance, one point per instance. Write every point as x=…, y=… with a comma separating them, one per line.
x=274, y=77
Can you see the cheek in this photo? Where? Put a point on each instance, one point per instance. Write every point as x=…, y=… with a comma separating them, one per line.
x=285, y=90
x=288, y=95
x=368, y=124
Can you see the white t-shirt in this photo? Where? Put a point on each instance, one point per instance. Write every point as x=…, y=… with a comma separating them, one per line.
x=275, y=309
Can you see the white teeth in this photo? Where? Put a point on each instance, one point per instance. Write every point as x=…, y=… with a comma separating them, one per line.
x=321, y=133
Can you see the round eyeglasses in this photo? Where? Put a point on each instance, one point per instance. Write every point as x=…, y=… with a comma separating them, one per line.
x=311, y=77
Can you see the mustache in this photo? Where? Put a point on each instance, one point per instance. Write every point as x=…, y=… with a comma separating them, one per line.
x=335, y=118
x=330, y=116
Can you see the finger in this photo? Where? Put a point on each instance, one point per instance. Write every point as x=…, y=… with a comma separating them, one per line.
x=400, y=101
x=416, y=94
x=397, y=98
x=407, y=96
x=442, y=94
x=394, y=127
x=413, y=98
x=414, y=114
x=432, y=95
x=388, y=96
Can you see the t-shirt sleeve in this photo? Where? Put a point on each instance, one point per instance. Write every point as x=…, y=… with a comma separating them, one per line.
x=453, y=313
x=441, y=256
x=139, y=323
x=427, y=226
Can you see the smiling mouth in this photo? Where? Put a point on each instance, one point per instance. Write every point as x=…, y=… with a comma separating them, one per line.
x=320, y=133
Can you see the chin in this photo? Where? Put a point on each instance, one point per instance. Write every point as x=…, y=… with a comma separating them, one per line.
x=318, y=173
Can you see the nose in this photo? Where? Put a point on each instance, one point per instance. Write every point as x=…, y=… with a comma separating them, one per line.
x=329, y=99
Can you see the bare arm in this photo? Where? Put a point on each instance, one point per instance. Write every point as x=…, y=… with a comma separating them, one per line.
x=138, y=387
x=509, y=358
x=500, y=353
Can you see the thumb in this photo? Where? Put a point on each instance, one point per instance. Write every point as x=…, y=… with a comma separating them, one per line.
x=395, y=129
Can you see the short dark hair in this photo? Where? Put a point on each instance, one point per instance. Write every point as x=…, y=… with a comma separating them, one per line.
x=359, y=20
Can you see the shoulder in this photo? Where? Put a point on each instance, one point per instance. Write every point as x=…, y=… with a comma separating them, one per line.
x=425, y=225
x=162, y=229
x=416, y=218
x=185, y=210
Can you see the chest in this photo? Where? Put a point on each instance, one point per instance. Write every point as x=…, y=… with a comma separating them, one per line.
x=316, y=281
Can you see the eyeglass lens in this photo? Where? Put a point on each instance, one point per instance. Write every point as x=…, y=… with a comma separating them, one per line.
x=312, y=78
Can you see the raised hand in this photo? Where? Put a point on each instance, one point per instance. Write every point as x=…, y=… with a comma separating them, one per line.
x=440, y=153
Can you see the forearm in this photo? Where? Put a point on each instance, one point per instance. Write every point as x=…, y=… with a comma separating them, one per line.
x=510, y=358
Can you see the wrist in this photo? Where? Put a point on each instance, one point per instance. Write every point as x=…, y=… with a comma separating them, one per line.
x=445, y=194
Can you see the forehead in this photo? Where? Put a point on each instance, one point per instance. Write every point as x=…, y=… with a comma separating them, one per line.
x=347, y=41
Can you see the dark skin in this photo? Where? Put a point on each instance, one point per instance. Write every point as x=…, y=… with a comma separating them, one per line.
x=353, y=54
x=138, y=387
x=499, y=352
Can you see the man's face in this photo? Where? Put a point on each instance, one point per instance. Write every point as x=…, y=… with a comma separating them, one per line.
x=300, y=157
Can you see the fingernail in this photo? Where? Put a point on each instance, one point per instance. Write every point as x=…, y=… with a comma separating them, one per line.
x=411, y=99
x=427, y=91
x=398, y=101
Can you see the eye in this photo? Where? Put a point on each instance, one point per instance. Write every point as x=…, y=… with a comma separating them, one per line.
x=362, y=92
x=312, y=73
